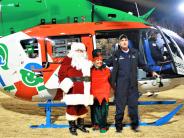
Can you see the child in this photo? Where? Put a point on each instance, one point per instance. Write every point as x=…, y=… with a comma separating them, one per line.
x=100, y=89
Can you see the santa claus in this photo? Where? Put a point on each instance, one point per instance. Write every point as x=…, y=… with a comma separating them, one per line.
x=74, y=77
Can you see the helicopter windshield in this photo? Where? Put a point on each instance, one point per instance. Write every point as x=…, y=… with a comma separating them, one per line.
x=179, y=40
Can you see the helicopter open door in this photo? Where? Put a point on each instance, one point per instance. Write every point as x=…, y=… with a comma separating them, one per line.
x=176, y=54
x=55, y=49
x=164, y=48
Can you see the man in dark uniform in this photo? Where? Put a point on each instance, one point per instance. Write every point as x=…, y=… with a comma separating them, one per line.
x=156, y=52
x=124, y=80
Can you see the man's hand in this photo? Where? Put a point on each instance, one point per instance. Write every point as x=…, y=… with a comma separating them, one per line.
x=154, y=74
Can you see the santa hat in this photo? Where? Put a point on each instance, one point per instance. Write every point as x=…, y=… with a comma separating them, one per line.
x=78, y=46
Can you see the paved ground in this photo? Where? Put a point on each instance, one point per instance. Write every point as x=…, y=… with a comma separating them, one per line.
x=16, y=116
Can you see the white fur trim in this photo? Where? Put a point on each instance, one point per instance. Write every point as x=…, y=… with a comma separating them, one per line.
x=66, y=84
x=87, y=86
x=86, y=71
x=74, y=117
x=86, y=68
x=76, y=99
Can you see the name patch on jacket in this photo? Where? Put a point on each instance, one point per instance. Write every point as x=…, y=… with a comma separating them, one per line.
x=133, y=56
x=121, y=57
x=154, y=44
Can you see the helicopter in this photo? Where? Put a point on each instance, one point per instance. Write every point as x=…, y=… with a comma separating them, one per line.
x=39, y=35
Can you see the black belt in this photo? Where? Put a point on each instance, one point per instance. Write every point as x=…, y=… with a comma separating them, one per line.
x=80, y=79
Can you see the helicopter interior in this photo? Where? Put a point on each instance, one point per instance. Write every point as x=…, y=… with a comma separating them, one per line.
x=138, y=39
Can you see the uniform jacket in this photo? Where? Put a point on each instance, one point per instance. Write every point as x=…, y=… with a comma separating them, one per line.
x=136, y=61
x=155, y=51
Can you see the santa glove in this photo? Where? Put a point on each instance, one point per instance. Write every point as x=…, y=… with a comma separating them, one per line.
x=66, y=85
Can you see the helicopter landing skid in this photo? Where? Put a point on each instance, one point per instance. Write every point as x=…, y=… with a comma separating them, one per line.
x=161, y=121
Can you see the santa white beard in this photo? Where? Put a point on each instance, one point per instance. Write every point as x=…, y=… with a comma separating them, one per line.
x=80, y=62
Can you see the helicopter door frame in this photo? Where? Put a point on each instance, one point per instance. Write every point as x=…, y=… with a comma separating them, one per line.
x=52, y=59
x=177, y=60
x=49, y=41
x=55, y=49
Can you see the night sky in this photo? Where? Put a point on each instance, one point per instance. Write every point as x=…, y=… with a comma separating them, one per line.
x=166, y=14
x=164, y=8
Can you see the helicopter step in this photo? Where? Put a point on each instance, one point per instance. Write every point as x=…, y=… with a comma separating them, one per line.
x=161, y=121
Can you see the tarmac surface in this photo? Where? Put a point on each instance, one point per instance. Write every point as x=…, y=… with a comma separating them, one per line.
x=16, y=116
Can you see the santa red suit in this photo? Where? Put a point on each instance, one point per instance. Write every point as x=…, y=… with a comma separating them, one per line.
x=74, y=77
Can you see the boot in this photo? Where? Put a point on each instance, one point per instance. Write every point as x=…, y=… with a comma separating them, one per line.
x=73, y=128
x=80, y=125
x=135, y=127
x=119, y=128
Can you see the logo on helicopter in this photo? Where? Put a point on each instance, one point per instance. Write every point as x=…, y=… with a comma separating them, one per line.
x=3, y=57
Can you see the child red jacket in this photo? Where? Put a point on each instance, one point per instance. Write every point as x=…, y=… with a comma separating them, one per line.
x=100, y=86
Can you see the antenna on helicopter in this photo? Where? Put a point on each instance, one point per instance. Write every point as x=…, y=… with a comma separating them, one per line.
x=92, y=11
x=137, y=9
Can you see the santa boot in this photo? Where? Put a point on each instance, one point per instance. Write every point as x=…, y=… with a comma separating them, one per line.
x=80, y=125
x=73, y=128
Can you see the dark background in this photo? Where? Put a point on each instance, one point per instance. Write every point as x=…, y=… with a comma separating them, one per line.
x=166, y=14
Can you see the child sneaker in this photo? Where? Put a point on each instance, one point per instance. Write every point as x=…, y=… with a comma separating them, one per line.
x=103, y=130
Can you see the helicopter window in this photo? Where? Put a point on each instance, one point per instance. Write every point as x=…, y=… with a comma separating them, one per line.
x=179, y=41
x=30, y=47
x=112, y=15
x=108, y=45
x=173, y=47
x=62, y=44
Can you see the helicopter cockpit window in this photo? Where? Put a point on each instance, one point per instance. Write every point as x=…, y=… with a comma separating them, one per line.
x=62, y=44
x=180, y=43
x=176, y=38
x=30, y=47
x=108, y=40
x=173, y=47
x=179, y=40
